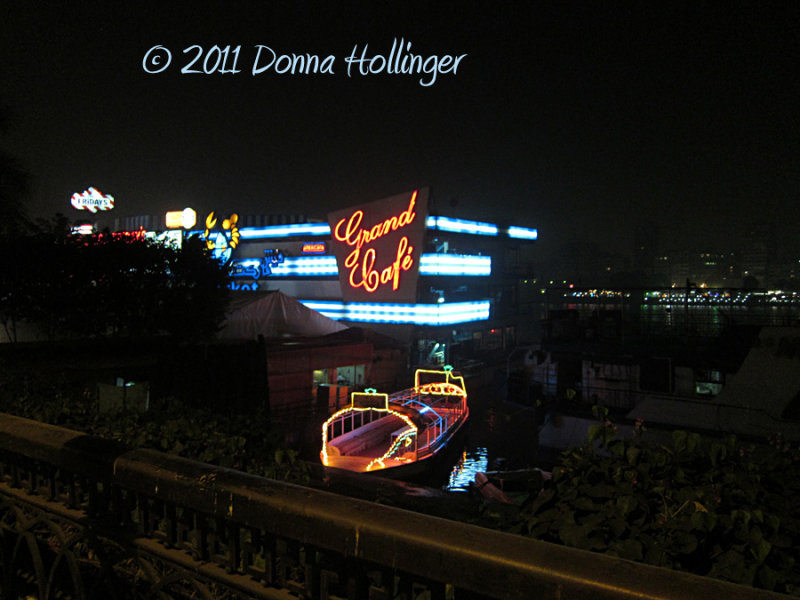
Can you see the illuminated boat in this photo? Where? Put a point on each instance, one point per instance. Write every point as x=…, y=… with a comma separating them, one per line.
x=393, y=434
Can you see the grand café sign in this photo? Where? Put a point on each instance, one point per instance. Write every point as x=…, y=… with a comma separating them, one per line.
x=378, y=245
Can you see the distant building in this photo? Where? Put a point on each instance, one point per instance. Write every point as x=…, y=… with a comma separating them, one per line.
x=646, y=250
x=757, y=251
x=135, y=223
x=446, y=286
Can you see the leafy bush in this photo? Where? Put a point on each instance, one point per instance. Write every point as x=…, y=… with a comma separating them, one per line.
x=240, y=442
x=713, y=507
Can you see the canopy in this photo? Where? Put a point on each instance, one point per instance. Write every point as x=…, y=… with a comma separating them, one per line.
x=273, y=315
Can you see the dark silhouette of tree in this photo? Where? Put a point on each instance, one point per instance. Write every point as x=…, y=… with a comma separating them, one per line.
x=105, y=285
x=113, y=285
x=14, y=185
x=14, y=188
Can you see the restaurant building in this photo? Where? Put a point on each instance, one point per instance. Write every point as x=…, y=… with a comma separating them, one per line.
x=449, y=287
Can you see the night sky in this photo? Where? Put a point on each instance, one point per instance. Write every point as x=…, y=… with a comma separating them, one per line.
x=585, y=120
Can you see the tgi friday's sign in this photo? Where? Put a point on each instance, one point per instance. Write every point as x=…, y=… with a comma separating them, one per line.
x=92, y=200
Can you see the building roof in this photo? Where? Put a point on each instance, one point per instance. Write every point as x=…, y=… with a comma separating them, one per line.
x=273, y=314
x=755, y=400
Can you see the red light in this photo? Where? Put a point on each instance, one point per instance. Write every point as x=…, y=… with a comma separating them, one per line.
x=362, y=271
x=314, y=248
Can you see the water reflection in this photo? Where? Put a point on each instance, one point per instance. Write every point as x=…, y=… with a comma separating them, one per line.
x=463, y=472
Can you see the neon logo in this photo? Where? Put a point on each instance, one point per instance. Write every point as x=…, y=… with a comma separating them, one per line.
x=92, y=200
x=186, y=218
x=222, y=243
x=363, y=272
x=314, y=248
x=254, y=268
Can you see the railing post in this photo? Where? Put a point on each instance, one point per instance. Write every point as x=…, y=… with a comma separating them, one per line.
x=200, y=541
x=234, y=547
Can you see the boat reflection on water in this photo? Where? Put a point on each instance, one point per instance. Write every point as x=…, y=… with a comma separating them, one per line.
x=462, y=475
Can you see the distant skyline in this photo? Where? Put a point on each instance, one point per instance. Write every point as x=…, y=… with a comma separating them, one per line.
x=584, y=120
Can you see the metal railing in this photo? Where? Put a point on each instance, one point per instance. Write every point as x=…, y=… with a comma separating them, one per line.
x=83, y=517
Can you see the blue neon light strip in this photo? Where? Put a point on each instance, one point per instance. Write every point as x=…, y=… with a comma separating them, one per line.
x=523, y=233
x=282, y=231
x=461, y=226
x=455, y=264
x=306, y=266
x=325, y=265
x=436, y=223
x=415, y=314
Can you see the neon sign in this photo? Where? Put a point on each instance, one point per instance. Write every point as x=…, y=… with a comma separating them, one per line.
x=186, y=218
x=86, y=229
x=255, y=268
x=92, y=200
x=222, y=242
x=314, y=248
x=249, y=287
x=378, y=246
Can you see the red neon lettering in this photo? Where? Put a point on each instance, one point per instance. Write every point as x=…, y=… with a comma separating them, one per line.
x=362, y=269
x=354, y=235
x=371, y=279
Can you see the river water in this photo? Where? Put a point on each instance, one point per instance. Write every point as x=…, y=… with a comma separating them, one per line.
x=499, y=436
x=503, y=436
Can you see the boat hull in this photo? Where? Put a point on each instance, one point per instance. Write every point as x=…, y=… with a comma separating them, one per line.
x=450, y=446
x=422, y=470
x=400, y=435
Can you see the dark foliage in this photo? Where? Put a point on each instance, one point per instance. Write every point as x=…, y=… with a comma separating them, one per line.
x=720, y=508
x=110, y=285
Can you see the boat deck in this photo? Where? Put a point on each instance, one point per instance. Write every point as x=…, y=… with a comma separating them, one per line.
x=380, y=431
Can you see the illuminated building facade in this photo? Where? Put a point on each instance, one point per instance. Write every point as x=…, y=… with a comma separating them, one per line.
x=446, y=285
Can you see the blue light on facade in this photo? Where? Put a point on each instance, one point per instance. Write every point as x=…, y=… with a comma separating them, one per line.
x=307, y=266
x=455, y=264
x=284, y=231
x=325, y=266
x=523, y=233
x=416, y=314
x=461, y=226
x=436, y=223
